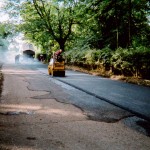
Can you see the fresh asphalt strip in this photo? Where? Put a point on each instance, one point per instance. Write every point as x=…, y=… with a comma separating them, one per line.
x=107, y=100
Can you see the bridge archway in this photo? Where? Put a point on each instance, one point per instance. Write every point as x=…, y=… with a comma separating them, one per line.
x=29, y=53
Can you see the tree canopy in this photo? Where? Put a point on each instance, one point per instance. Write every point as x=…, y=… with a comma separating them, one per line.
x=93, y=31
x=5, y=32
x=98, y=23
x=47, y=22
x=117, y=23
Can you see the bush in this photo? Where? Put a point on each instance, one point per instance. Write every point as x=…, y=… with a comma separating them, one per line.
x=134, y=62
x=105, y=57
x=141, y=61
x=121, y=61
x=128, y=62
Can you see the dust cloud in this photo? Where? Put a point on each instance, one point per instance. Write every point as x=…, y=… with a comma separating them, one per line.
x=13, y=53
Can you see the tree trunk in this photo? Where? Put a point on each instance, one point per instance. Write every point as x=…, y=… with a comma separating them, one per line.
x=117, y=30
x=129, y=30
x=61, y=43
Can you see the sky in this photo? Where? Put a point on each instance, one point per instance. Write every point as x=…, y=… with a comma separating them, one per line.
x=17, y=41
x=3, y=16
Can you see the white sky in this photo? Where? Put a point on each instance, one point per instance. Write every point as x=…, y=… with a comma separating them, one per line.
x=3, y=17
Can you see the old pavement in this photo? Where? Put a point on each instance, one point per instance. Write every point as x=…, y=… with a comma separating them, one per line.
x=36, y=114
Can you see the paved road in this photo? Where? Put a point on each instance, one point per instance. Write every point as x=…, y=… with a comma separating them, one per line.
x=36, y=113
x=131, y=97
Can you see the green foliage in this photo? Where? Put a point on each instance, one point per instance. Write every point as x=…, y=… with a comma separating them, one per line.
x=76, y=56
x=140, y=61
x=53, y=20
x=132, y=62
x=113, y=34
x=115, y=23
x=121, y=60
x=105, y=56
x=5, y=32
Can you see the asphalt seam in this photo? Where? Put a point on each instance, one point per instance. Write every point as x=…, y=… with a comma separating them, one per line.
x=106, y=100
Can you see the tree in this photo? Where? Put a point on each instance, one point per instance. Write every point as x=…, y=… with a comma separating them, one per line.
x=116, y=23
x=5, y=32
x=12, y=8
x=55, y=19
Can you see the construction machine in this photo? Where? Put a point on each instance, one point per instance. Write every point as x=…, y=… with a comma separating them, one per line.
x=56, y=66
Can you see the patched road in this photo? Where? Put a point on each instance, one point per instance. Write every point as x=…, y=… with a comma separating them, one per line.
x=131, y=97
x=38, y=112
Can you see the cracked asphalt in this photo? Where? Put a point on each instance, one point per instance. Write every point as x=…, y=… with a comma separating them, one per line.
x=40, y=113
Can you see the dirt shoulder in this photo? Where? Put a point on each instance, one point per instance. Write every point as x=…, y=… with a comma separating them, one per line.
x=133, y=80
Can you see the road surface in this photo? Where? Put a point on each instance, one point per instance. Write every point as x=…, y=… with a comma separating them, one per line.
x=38, y=112
x=131, y=97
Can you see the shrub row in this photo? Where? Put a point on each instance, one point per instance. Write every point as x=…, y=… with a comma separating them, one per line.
x=128, y=62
